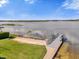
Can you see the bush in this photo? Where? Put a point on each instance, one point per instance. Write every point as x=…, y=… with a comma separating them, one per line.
x=36, y=35
x=12, y=36
x=4, y=35
x=2, y=58
x=52, y=38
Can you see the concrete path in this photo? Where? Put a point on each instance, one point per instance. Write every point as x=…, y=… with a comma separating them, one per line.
x=53, y=48
x=49, y=54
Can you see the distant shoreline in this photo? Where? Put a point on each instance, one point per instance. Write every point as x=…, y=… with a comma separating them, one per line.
x=34, y=20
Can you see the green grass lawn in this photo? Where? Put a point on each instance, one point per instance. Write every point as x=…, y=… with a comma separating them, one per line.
x=14, y=50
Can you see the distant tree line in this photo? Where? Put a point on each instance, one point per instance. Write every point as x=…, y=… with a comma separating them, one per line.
x=37, y=20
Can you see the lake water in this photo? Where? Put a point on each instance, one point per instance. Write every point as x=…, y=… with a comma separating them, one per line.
x=70, y=28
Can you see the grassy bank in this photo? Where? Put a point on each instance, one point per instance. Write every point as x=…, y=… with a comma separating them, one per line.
x=10, y=49
x=63, y=52
x=66, y=52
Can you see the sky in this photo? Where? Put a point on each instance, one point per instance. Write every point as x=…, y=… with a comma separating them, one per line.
x=39, y=9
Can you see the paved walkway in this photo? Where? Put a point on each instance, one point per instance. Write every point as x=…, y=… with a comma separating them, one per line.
x=49, y=54
x=53, y=48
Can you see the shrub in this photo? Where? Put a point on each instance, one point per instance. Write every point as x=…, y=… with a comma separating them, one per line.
x=2, y=58
x=4, y=35
x=52, y=38
x=36, y=35
x=12, y=36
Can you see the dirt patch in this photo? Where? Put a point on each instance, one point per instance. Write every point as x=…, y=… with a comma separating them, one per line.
x=29, y=40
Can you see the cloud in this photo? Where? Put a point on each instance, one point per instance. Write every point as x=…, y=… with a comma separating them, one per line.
x=31, y=1
x=3, y=2
x=71, y=4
